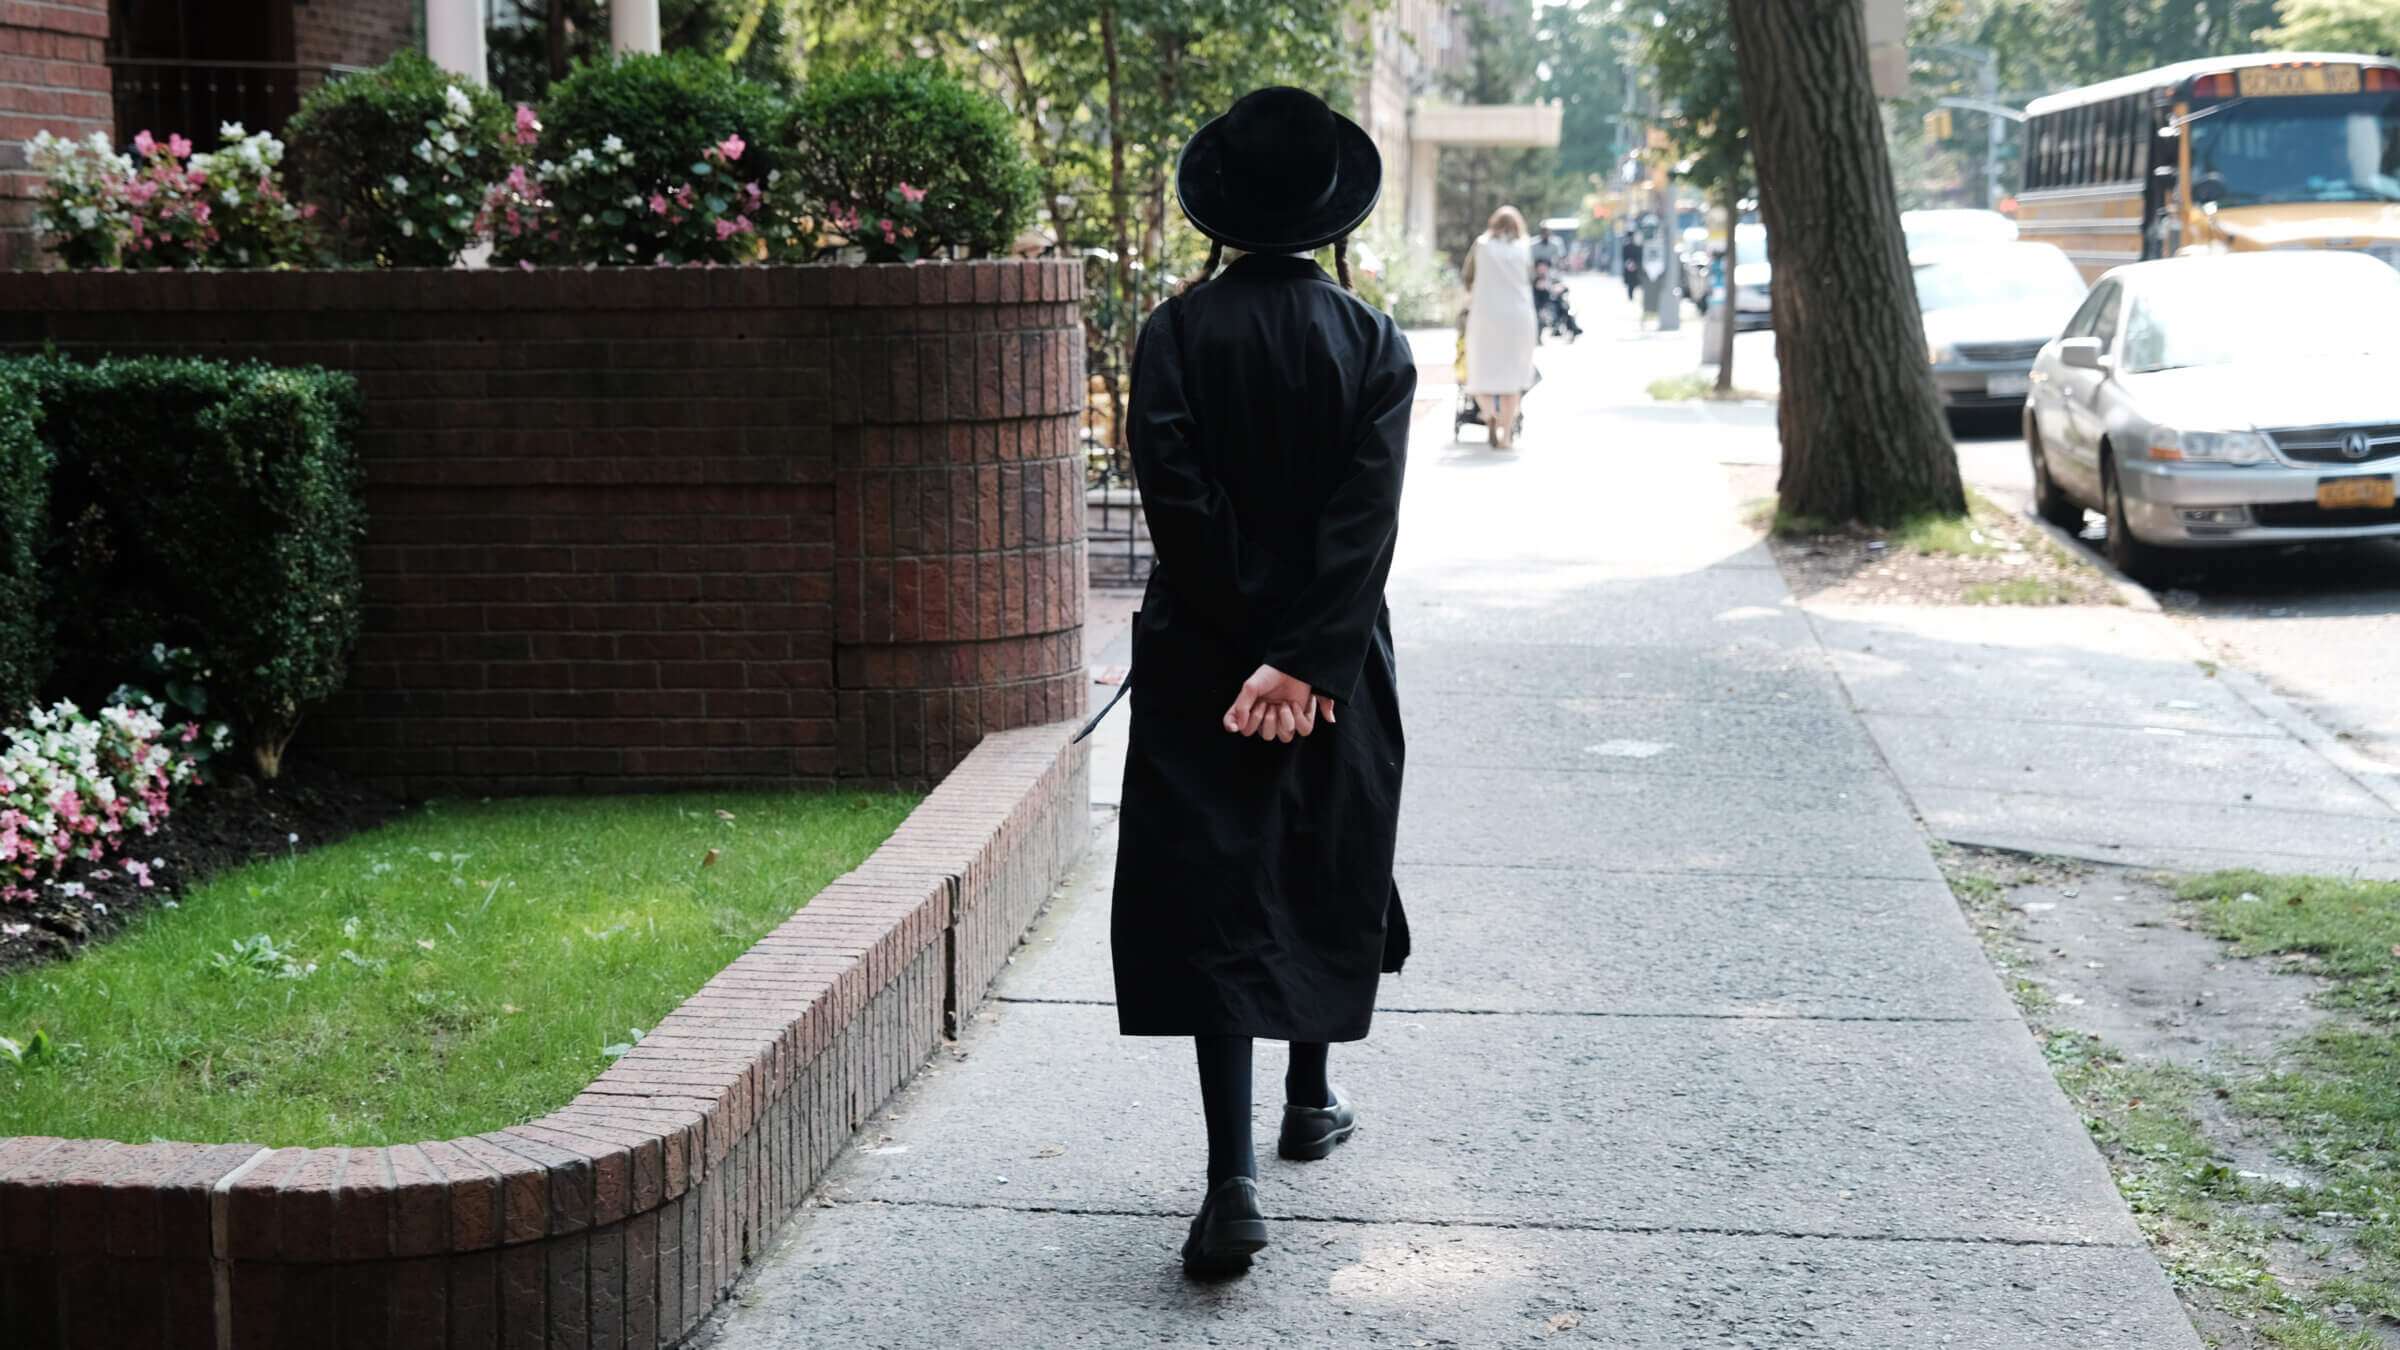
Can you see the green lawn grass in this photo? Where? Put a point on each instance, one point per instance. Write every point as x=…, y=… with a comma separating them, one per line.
x=462, y=969
x=2331, y=1105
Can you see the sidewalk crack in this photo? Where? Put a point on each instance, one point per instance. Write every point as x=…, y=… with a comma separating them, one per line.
x=1533, y=1225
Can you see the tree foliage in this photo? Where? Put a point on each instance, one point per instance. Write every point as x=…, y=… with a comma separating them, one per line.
x=2364, y=26
x=758, y=38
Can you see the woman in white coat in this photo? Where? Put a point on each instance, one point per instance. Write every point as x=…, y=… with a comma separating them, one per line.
x=1500, y=322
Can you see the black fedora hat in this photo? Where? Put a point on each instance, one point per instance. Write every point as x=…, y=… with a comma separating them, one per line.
x=1279, y=173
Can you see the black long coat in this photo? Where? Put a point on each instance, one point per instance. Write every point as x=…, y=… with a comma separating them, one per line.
x=1269, y=428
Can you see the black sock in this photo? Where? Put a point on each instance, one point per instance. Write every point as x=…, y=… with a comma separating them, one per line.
x=1225, y=1105
x=1304, y=1082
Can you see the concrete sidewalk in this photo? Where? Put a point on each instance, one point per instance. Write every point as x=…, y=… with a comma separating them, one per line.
x=1696, y=1049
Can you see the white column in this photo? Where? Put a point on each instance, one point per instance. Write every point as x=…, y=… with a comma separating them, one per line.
x=454, y=37
x=1424, y=157
x=633, y=25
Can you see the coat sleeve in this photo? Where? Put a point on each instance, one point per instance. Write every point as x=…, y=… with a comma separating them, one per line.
x=1323, y=637
x=1238, y=586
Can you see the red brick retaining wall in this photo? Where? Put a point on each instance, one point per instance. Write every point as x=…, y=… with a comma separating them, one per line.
x=673, y=527
x=617, y=1220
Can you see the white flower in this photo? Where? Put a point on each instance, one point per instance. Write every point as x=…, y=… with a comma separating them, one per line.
x=230, y=131
x=455, y=99
x=88, y=217
x=612, y=144
x=399, y=184
x=408, y=228
x=230, y=196
x=632, y=203
x=587, y=217
x=452, y=199
x=424, y=151
x=449, y=142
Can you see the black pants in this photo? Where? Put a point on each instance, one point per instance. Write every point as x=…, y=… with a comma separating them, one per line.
x=1225, y=1097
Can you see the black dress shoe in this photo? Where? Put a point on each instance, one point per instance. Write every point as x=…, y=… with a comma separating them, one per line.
x=1228, y=1230
x=1310, y=1132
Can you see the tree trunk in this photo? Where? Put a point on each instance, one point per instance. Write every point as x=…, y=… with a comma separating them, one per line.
x=555, y=21
x=1732, y=190
x=1120, y=213
x=1864, y=437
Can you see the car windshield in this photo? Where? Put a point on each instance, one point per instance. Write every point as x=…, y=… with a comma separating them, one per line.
x=2009, y=274
x=2311, y=148
x=2263, y=314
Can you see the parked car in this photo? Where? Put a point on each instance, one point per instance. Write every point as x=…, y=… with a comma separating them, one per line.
x=2220, y=401
x=1949, y=227
x=1753, y=277
x=1988, y=309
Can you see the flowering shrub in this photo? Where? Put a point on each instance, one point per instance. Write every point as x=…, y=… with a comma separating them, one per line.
x=81, y=209
x=896, y=235
x=165, y=206
x=78, y=787
x=401, y=158
x=646, y=159
x=256, y=224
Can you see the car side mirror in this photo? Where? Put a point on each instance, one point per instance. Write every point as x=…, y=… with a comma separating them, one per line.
x=2079, y=353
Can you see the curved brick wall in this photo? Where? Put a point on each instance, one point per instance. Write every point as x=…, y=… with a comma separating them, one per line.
x=617, y=1220
x=675, y=527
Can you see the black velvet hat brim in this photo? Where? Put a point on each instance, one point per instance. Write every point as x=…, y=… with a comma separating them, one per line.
x=1199, y=188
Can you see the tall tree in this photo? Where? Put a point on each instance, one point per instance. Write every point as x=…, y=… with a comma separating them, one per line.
x=1689, y=49
x=1864, y=438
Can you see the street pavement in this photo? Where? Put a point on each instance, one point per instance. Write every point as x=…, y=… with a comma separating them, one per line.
x=1695, y=1050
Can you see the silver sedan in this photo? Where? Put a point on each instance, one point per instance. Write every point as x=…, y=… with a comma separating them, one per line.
x=2220, y=401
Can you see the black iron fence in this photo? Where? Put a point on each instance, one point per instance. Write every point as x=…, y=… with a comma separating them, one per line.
x=163, y=95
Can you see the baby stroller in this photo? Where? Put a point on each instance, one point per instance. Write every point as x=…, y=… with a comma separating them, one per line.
x=1467, y=414
x=1555, y=315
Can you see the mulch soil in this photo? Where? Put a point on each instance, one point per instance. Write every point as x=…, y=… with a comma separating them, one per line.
x=1854, y=565
x=218, y=826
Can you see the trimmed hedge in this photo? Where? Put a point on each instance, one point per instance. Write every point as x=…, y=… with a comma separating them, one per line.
x=856, y=136
x=204, y=505
x=24, y=506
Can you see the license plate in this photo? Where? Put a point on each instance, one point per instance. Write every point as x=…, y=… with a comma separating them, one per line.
x=2337, y=494
x=2270, y=81
x=2005, y=386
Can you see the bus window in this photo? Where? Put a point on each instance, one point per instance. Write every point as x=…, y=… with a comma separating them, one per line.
x=2311, y=148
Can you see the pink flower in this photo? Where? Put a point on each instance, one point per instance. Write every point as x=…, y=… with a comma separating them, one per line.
x=886, y=226
x=726, y=229
x=913, y=194
x=732, y=146
x=528, y=128
x=191, y=732
x=658, y=204
x=178, y=146
x=528, y=266
x=142, y=144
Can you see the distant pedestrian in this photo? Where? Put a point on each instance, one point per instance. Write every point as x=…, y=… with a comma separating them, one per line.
x=1269, y=427
x=1500, y=323
x=1630, y=264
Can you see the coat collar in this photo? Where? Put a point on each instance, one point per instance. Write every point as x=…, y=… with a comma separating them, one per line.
x=1278, y=266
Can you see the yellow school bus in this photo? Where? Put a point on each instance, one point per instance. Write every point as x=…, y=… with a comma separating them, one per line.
x=2276, y=150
